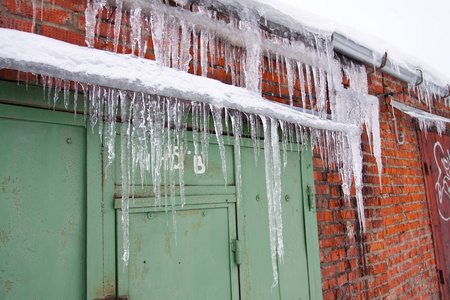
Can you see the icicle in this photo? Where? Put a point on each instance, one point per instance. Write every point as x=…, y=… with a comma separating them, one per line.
x=42, y=9
x=217, y=118
x=85, y=89
x=277, y=187
x=278, y=70
x=44, y=83
x=291, y=135
x=195, y=49
x=322, y=99
x=236, y=120
x=290, y=78
x=110, y=128
x=157, y=24
x=317, y=88
x=139, y=149
x=309, y=84
x=355, y=144
x=33, y=24
x=269, y=185
x=252, y=68
x=185, y=44
x=170, y=148
x=273, y=184
x=284, y=142
x=156, y=127
x=66, y=93
x=57, y=90
x=117, y=23
x=195, y=126
x=125, y=144
x=204, y=119
x=92, y=9
x=75, y=98
x=136, y=30
x=93, y=104
x=174, y=42
x=204, y=41
x=225, y=118
x=254, y=134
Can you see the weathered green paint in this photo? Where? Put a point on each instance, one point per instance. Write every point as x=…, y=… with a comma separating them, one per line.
x=207, y=226
x=312, y=238
x=212, y=176
x=43, y=205
x=256, y=268
x=192, y=260
x=97, y=287
x=109, y=229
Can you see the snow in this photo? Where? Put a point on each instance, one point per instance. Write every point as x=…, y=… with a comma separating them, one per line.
x=426, y=120
x=110, y=80
x=413, y=33
x=38, y=54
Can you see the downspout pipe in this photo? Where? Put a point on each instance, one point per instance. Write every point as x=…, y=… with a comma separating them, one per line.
x=350, y=48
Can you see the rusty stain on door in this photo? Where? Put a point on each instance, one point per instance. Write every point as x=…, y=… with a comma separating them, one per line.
x=435, y=151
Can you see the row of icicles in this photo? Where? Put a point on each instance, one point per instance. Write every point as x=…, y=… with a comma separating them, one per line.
x=153, y=128
x=154, y=141
x=178, y=43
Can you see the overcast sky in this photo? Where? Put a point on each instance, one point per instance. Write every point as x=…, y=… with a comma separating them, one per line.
x=416, y=27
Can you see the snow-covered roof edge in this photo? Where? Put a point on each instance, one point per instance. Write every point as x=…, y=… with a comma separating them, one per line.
x=417, y=113
x=346, y=41
x=35, y=53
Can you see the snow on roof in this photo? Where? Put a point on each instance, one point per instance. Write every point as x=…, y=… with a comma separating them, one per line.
x=296, y=18
x=35, y=53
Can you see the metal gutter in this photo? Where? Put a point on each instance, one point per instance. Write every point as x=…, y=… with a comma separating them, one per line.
x=417, y=113
x=350, y=48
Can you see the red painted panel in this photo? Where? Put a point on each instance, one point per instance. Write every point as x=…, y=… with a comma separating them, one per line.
x=435, y=152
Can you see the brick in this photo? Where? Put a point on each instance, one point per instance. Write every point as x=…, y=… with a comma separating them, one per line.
x=398, y=261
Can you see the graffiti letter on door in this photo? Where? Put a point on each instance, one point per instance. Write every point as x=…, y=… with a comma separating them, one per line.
x=442, y=186
x=199, y=166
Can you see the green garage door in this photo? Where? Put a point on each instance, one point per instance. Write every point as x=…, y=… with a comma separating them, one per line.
x=42, y=204
x=60, y=223
x=256, y=271
x=192, y=259
x=196, y=259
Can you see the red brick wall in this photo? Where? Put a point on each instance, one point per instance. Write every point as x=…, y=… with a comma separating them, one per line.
x=395, y=258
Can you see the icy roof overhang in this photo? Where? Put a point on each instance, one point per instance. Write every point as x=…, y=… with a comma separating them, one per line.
x=284, y=22
x=35, y=53
x=417, y=113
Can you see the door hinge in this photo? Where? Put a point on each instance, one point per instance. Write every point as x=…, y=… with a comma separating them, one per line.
x=236, y=248
x=311, y=198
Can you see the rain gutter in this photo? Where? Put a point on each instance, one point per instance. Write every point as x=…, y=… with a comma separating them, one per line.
x=350, y=48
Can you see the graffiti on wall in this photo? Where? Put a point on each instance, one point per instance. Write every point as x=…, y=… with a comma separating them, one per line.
x=442, y=185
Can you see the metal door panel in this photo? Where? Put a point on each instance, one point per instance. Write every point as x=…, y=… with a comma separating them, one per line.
x=435, y=151
x=293, y=277
x=256, y=269
x=200, y=174
x=43, y=203
x=190, y=260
